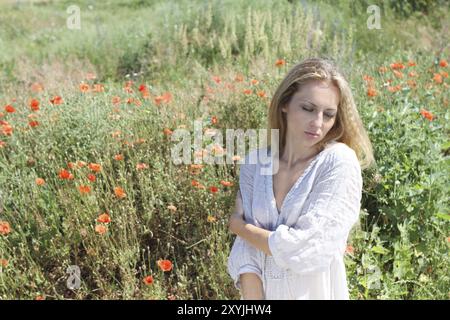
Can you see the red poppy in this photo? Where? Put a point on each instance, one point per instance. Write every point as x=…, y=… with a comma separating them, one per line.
x=280, y=62
x=214, y=120
x=84, y=87
x=4, y=228
x=165, y=265
x=34, y=105
x=64, y=174
x=104, y=218
x=427, y=114
x=226, y=183
x=443, y=63
x=95, y=167
x=84, y=189
x=371, y=92
x=9, y=108
x=56, y=100
x=100, y=229
x=148, y=280
x=91, y=177
x=213, y=189
x=118, y=191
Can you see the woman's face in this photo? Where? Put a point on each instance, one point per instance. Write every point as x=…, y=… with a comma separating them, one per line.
x=312, y=109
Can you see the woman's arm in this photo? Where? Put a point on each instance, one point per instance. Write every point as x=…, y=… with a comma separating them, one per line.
x=251, y=284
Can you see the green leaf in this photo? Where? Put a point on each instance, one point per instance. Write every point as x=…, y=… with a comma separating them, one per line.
x=379, y=249
x=444, y=216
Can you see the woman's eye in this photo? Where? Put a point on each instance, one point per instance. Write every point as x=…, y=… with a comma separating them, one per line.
x=327, y=115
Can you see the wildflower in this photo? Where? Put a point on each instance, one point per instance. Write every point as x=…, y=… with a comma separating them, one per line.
x=7, y=129
x=395, y=88
x=64, y=174
x=165, y=265
x=427, y=114
x=412, y=74
x=3, y=263
x=239, y=78
x=443, y=63
x=167, y=131
x=84, y=87
x=226, y=183
x=100, y=229
x=247, y=91
x=37, y=87
x=115, y=100
x=437, y=78
x=371, y=92
x=104, y=218
x=40, y=181
x=34, y=104
x=349, y=249
x=211, y=219
x=214, y=120
x=33, y=124
x=141, y=166
x=261, y=94
x=118, y=191
x=444, y=74
x=217, y=79
x=397, y=66
x=95, y=167
x=91, y=177
x=254, y=82
x=84, y=189
x=4, y=228
x=213, y=189
x=56, y=100
x=148, y=280
x=40, y=298
x=81, y=164
x=280, y=63
x=398, y=74
x=9, y=108
x=118, y=157
x=411, y=64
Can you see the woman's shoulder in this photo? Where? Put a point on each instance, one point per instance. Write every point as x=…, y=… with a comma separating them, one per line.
x=338, y=153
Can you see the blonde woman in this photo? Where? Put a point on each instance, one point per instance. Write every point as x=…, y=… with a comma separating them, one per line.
x=292, y=225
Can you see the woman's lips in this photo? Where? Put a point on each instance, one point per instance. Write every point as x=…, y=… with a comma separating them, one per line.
x=311, y=135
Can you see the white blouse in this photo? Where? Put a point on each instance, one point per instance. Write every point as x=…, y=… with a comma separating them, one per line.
x=309, y=236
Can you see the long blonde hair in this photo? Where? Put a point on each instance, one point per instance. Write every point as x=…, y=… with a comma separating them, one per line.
x=348, y=127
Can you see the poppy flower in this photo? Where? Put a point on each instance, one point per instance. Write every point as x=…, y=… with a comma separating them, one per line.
x=118, y=157
x=247, y=91
x=226, y=183
x=3, y=263
x=34, y=104
x=213, y=189
x=9, y=108
x=216, y=79
x=40, y=181
x=397, y=66
x=411, y=64
x=141, y=166
x=349, y=249
x=371, y=92
x=91, y=177
x=33, y=124
x=412, y=74
x=81, y=164
x=118, y=191
x=239, y=78
x=56, y=100
x=64, y=174
x=254, y=82
x=4, y=228
x=104, y=218
x=40, y=298
x=443, y=63
x=261, y=94
x=280, y=62
x=148, y=280
x=95, y=167
x=214, y=120
x=167, y=131
x=398, y=74
x=427, y=114
x=84, y=87
x=165, y=265
x=115, y=100
x=444, y=74
x=84, y=189
x=100, y=229
x=437, y=78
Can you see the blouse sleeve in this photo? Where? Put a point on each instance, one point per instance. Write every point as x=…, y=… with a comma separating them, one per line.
x=330, y=211
x=243, y=257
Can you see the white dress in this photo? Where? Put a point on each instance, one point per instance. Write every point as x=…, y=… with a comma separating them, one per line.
x=309, y=236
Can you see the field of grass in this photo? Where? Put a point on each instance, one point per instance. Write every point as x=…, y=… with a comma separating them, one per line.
x=87, y=115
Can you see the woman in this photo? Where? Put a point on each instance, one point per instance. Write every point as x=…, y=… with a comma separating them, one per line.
x=292, y=225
